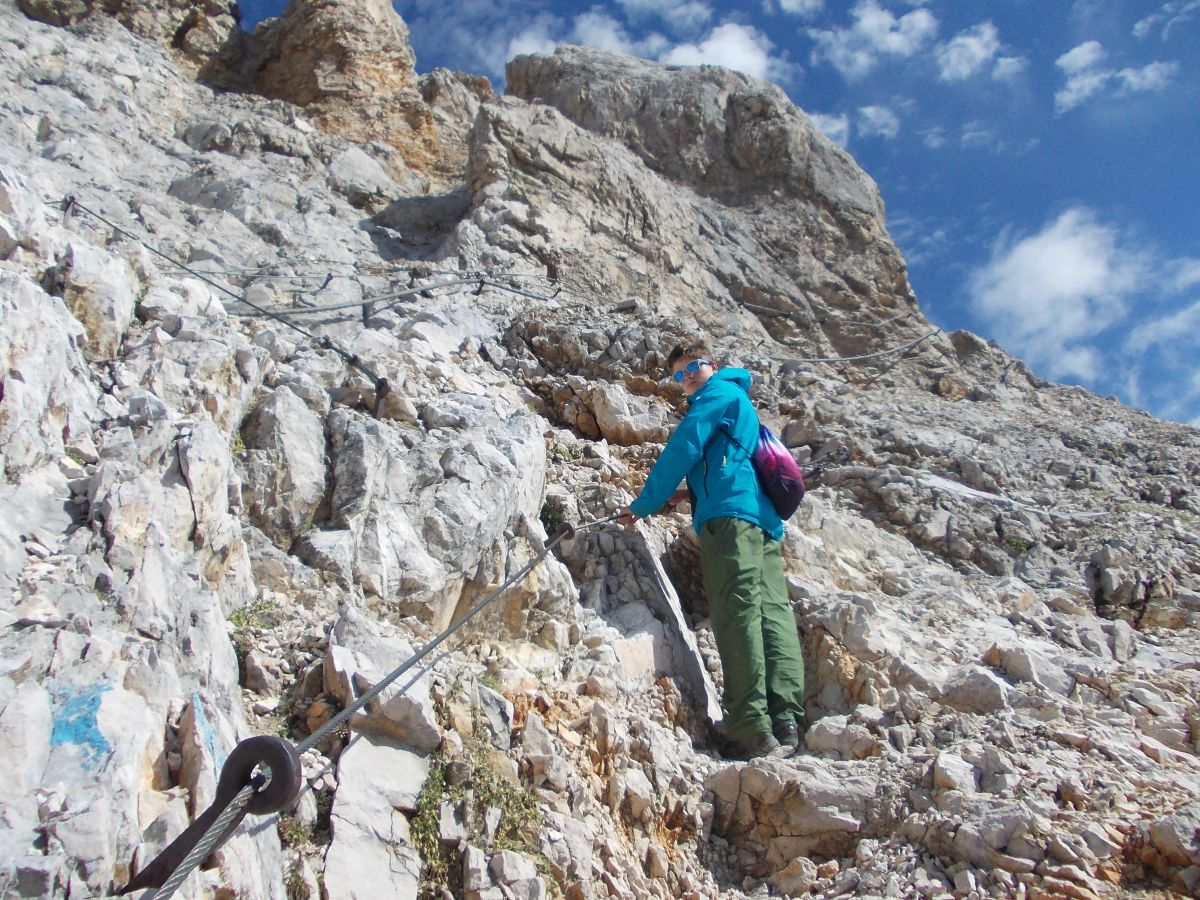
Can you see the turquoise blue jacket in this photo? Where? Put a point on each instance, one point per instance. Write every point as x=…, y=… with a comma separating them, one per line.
x=718, y=470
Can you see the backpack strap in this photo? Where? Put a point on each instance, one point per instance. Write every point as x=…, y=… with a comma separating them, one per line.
x=737, y=443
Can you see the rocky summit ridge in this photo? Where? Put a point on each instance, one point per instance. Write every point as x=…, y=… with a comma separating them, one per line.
x=325, y=351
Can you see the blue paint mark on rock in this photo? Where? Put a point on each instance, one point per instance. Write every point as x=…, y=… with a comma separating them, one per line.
x=74, y=722
x=207, y=732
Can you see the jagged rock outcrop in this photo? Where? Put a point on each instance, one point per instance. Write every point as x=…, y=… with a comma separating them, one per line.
x=815, y=256
x=207, y=36
x=349, y=65
x=218, y=519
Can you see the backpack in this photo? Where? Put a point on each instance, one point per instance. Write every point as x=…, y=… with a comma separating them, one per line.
x=778, y=473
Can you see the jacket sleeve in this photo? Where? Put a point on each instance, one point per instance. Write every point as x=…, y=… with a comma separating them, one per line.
x=682, y=451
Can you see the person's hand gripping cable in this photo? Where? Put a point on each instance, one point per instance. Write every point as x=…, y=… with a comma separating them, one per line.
x=626, y=516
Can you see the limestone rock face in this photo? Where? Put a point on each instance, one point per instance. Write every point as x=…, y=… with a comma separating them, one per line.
x=207, y=35
x=363, y=348
x=285, y=469
x=349, y=64
x=48, y=397
x=336, y=51
x=805, y=252
x=726, y=134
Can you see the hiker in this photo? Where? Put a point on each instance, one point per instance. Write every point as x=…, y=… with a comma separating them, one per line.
x=740, y=558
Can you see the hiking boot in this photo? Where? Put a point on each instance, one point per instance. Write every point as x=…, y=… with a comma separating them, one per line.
x=762, y=744
x=788, y=734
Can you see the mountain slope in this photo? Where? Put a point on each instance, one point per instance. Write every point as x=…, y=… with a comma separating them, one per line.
x=325, y=351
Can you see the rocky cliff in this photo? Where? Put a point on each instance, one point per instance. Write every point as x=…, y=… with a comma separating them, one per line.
x=324, y=350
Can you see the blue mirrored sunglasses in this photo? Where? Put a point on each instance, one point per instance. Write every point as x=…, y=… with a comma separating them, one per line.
x=690, y=369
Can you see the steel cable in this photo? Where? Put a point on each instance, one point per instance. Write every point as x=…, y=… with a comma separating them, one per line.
x=71, y=203
x=224, y=825
x=214, y=836
x=313, y=739
x=837, y=359
x=479, y=282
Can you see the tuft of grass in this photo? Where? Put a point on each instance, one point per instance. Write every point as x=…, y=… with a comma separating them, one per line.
x=1019, y=545
x=492, y=681
x=553, y=514
x=294, y=833
x=294, y=885
x=520, y=817
x=257, y=614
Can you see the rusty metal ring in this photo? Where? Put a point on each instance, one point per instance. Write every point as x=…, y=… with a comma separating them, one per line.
x=267, y=753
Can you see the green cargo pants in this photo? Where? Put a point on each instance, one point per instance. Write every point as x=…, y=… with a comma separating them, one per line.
x=754, y=626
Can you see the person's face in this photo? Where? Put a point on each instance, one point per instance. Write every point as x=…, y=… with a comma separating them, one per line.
x=691, y=374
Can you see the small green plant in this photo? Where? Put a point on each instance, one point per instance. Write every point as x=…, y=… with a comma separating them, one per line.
x=567, y=451
x=1019, y=545
x=256, y=614
x=237, y=445
x=424, y=827
x=294, y=885
x=294, y=833
x=324, y=810
x=519, y=824
x=520, y=817
x=75, y=456
x=553, y=515
x=492, y=681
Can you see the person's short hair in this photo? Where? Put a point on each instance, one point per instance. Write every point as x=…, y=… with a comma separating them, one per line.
x=689, y=348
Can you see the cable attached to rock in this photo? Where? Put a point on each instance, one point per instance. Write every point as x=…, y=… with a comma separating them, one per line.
x=245, y=788
x=837, y=359
x=72, y=204
x=565, y=532
x=262, y=775
x=477, y=281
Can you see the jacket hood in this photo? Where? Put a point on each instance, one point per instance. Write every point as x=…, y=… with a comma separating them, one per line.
x=733, y=375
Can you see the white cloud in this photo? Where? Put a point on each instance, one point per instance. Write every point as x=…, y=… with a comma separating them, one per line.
x=802, y=7
x=1166, y=331
x=600, y=30
x=683, y=15
x=1161, y=353
x=836, y=128
x=535, y=39
x=977, y=133
x=968, y=52
x=1088, y=78
x=901, y=37
x=934, y=138
x=591, y=29
x=1048, y=296
x=482, y=37
x=878, y=121
x=1078, y=89
x=733, y=46
x=921, y=240
x=876, y=32
x=1009, y=67
x=1171, y=14
x=1083, y=300
x=1184, y=274
x=1082, y=58
x=1152, y=77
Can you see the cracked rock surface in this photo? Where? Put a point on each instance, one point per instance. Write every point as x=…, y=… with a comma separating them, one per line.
x=327, y=351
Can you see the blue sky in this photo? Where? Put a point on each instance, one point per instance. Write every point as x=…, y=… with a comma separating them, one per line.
x=1039, y=159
